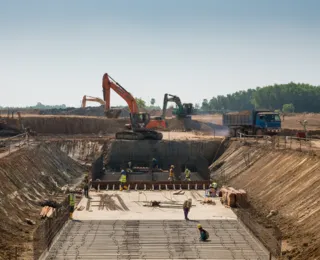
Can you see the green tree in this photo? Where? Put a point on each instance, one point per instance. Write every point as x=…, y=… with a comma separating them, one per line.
x=140, y=102
x=152, y=102
x=205, y=105
x=288, y=108
x=303, y=97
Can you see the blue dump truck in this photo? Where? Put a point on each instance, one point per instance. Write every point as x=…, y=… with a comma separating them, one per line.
x=255, y=122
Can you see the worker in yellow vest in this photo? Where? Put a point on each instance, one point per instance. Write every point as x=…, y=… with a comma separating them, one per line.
x=187, y=172
x=171, y=173
x=71, y=204
x=123, y=180
x=214, y=185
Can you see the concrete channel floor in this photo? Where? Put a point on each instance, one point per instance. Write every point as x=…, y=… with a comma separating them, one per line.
x=126, y=229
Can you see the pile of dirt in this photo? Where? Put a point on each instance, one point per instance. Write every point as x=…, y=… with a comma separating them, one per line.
x=188, y=124
x=87, y=111
x=284, y=181
x=28, y=177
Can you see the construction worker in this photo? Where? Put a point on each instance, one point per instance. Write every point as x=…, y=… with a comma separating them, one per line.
x=186, y=208
x=123, y=180
x=211, y=192
x=214, y=185
x=204, y=235
x=187, y=173
x=171, y=173
x=154, y=163
x=71, y=204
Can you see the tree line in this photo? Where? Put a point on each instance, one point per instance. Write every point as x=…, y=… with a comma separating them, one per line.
x=291, y=97
x=39, y=105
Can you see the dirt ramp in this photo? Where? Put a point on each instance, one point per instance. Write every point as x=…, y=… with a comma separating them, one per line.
x=286, y=182
x=27, y=177
x=188, y=124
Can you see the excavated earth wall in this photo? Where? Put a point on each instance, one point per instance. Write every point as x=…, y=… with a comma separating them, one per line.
x=73, y=125
x=27, y=177
x=285, y=181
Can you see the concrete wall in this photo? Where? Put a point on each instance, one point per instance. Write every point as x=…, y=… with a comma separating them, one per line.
x=197, y=155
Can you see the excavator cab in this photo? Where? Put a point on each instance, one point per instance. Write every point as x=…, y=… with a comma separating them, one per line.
x=140, y=120
x=188, y=109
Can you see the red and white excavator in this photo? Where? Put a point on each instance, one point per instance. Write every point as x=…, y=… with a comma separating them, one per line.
x=141, y=124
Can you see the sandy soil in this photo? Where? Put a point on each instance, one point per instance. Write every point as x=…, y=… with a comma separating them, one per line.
x=283, y=180
x=27, y=177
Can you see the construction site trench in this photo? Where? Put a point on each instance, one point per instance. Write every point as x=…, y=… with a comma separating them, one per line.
x=42, y=168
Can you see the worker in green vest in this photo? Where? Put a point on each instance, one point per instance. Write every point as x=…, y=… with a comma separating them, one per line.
x=71, y=203
x=188, y=174
x=123, y=180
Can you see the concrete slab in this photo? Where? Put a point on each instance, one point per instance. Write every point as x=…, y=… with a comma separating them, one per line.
x=129, y=205
x=155, y=239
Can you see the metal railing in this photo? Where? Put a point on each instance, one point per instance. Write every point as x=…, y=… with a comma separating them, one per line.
x=46, y=232
x=283, y=142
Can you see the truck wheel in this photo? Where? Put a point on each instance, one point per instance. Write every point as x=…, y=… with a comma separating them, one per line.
x=259, y=132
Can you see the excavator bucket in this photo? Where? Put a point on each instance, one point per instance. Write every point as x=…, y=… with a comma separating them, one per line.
x=112, y=113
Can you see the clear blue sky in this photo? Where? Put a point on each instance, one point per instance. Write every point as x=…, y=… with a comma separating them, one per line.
x=57, y=51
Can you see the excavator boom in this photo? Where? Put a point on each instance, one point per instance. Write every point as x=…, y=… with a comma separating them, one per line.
x=108, y=83
x=92, y=99
x=139, y=121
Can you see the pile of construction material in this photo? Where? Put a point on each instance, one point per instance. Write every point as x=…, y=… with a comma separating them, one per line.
x=233, y=198
x=208, y=201
x=48, y=208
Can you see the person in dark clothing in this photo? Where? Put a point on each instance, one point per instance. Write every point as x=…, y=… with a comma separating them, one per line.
x=86, y=189
x=154, y=163
x=186, y=208
x=204, y=235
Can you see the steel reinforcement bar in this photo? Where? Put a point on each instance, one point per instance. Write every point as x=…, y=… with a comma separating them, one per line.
x=159, y=185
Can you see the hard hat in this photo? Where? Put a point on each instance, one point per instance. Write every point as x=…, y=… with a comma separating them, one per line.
x=172, y=166
x=189, y=199
x=122, y=171
x=199, y=226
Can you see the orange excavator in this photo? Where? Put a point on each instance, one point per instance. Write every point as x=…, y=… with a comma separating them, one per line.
x=141, y=124
x=93, y=99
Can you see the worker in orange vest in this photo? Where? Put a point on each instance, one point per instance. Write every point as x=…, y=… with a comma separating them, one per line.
x=171, y=173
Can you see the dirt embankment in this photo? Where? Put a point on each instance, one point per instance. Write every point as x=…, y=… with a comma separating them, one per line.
x=285, y=181
x=72, y=125
x=26, y=178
